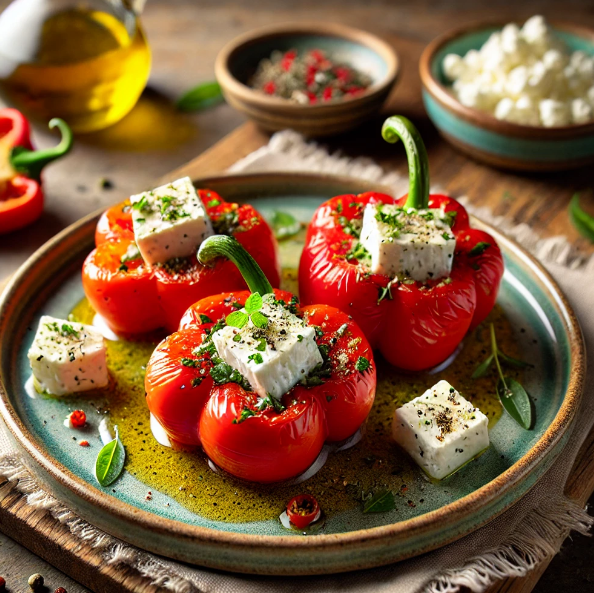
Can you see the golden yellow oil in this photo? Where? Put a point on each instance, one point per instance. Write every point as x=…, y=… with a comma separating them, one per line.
x=89, y=68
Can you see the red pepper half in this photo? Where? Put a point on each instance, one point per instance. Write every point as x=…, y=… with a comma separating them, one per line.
x=199, y=402
x=21, y=197
x=415, y=325
x=135, y=298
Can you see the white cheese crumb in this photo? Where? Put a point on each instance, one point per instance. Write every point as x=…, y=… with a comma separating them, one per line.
x=67, y=357
x=526, y=76
x=440, y=430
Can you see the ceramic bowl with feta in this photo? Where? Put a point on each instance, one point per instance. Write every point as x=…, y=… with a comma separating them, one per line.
x=232, y=432
x=515, y=96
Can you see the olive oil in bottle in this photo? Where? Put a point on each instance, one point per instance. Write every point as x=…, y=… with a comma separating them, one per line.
x=86, y=61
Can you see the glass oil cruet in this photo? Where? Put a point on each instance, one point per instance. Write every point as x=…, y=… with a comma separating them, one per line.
x=86, y=61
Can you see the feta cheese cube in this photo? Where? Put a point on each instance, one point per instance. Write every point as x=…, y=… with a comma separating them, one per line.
x=275, y=358
x=67, y=357
x=581, y=112
x=169, y=221
x=453, y=66
x=408, y=243
x=440, y=430
x=554, y=113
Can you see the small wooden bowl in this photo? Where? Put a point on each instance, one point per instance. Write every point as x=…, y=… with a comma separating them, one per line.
x=480, y=134
x=238, y=61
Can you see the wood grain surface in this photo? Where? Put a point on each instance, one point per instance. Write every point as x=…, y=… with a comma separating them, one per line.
x=185, y=37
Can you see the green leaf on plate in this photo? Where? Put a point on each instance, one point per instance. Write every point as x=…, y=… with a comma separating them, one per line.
x=481, y=369
x=237, y=319
x=254, y=303
x=201, y=97
x=582, y=221
x=284, y=225
x=110, y=462
x=381, y=502
x=515, y=400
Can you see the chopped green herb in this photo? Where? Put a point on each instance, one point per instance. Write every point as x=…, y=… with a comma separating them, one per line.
x=256, y=357
x=190, y=362
x=223, y=373
x=362, y=364
x=245, y=414
x=205, y=318
x=479, y=249
x=261, y=347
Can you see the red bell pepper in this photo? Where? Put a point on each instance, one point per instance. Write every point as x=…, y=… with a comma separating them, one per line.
x=21, y=197
x=135, y=298
x=198, y=399
x=415, y=325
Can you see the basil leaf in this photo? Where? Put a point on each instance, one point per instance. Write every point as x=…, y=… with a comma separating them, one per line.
x=582, y=221
x=110, y=462
x=481, y=369
x=284, y=225
x=259, y=320
x=254, y=303
x=237, y=319
x=380, y=502
x=514, y=362
x=515, y=400
x=201, y=97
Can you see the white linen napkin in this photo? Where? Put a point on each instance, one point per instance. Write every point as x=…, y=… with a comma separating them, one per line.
x=510, y=546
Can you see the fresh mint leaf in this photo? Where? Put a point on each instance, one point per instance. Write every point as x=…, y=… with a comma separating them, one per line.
x=254, y=303
x=237, y=319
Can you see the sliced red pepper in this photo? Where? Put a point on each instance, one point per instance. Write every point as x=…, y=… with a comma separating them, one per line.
x=302, y=510
x=21, y=197
x=415, y=325
x=245, y=437
x=178, y=283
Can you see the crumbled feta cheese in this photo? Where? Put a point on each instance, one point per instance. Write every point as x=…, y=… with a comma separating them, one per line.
x=67, y=357
x=274, y=358
x=440, y=430
x=525, y=66
x=408, y=243
x=169, y=221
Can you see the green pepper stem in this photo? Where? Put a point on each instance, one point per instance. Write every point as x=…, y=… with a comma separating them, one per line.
x=397, y=128
x=31, y=162
x=231, y=248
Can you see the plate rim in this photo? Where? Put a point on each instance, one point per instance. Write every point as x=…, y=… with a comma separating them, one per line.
x=447, y=515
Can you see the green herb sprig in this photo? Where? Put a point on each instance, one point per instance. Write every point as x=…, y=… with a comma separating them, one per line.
x=582, y=221
x=252, y=307
x=512, y=395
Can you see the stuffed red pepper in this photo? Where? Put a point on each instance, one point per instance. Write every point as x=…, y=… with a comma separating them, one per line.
x=259, y=381
x=411, y=271
x=144, y=273
x=21, y=196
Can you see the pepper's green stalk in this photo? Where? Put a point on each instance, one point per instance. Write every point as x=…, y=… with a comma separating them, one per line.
x=397, y=128
x=31, y=162
x=229, y=247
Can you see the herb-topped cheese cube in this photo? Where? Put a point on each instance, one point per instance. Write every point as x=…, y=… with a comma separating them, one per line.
x=440, y=430
x=169, y=221
x=269, y=345
x=408, y=243
x=67, y=357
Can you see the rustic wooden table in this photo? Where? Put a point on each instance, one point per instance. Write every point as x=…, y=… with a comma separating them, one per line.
x=154, y=139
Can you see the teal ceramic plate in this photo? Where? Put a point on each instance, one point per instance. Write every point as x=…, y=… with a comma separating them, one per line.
x=49, y=283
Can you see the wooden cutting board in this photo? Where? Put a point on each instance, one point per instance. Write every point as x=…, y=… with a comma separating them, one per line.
x=538, y=200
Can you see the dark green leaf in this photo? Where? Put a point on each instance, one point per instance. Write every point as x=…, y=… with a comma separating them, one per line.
x=223, y=373
x=479, y=249
x=582, y=221
x=237, y=319
x=380, y=502
x=201, y=97
x=481, y=369
x=205, y=319
x=190, y=362
x=516, y=401
x=259, y=320
x=245, y=414
x=362, y=364
x=284, y=225
x=514, y=362
x=254, y=303
x=110, y=462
